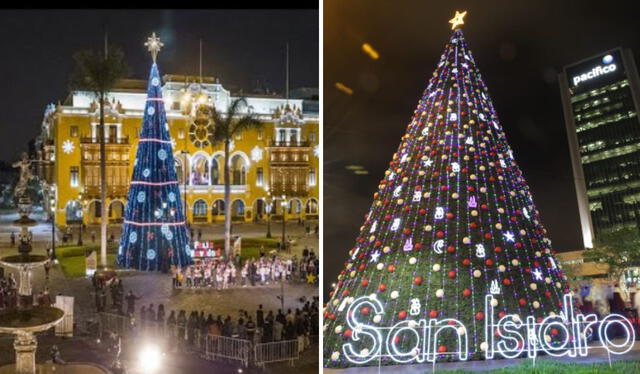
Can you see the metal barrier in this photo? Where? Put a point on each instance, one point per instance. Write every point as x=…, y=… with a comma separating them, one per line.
x=217, y=346
x=209, y=347
x=286, y=350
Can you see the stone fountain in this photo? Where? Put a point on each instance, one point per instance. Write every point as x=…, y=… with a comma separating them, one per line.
x=25, y=319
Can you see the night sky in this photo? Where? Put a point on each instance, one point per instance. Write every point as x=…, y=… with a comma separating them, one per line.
x=241, y=47
x=519, y=47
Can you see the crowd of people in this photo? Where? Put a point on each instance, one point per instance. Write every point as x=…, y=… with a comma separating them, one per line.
x=259, y=327
x=222, y=274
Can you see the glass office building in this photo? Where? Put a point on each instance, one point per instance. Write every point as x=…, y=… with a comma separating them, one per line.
x=600, y=101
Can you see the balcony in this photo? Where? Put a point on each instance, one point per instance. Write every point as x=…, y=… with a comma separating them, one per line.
x=108, y=140
x=290, y=190
x=282, y=143
x=112, y=191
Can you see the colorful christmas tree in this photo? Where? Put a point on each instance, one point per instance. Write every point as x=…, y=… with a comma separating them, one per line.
x=452, y=221
x=154, y=235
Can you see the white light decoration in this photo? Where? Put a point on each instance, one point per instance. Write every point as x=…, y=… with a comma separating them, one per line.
x=408, y=245
x=391, y=176
x=438, y=245
x=495, y=287
x=256, y=154
x=373, y=227
x=538, y=274
x=439, y=213
x=480, y=251
x=395, y=224
x=525, y=213
x=472, y=203
x=375, y=256
x=414, y=309
x=553, y=262
x=455, y=167
x=482, y=116
x=404, y=158
x=316, y=151
x=469, y=141
x=68, y=146
x=397, y=191
x=508, y=236
x=417, y=195
x=355, y=253
x=428, y=162
x=453, y=117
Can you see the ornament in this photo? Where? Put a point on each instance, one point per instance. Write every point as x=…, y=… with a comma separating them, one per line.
x=533, y=286
x=438, y=245
x=151, y=254
x=335, y=356
x=338, y=329
x=440, y=293
x=439, y=213
x=495, y=287
x=417, y=195
x=151, y=110
x=146, y=173
x=397, y=191
x=395, y=224
x=377, y=318
x=374, y=256
x=537, y=273
x=394, y=294
x=133, y=237
x=472, y=203
x=414, y=309
x=413, y=260
x=141, y=197
x=455, y=167
x=436, y=267
x=162, y=154
x=408, y=245
x=480, y=251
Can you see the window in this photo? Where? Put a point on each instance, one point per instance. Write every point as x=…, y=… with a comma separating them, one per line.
x=260, y=134
x=312, y=177
x=259, y=177
x=312, y=137
x=73, y=131
x=181, y=133
x=74, y=176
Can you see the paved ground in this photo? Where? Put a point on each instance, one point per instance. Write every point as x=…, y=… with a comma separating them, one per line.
x=156, y=288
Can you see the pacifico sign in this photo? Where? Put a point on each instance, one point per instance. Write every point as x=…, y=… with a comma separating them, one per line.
x=597, y=71
x=510, y=336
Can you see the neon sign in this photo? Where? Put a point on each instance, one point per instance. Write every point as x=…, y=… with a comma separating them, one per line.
x=510, y=337
x=597, y=71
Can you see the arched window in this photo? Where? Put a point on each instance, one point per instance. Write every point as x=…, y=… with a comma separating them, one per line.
x=95, y=209
x=116, y=209
x=237, y=208
x=238, y=170
x=312, y=206
x=295, y=206
x=216, y=170
x=218, y=208
x=179, y=170
x=73, y=212
x=200, y=208
x=199, y=171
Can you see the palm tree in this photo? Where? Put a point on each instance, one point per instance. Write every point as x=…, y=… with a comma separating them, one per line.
x=98, y=73
x=227, y=126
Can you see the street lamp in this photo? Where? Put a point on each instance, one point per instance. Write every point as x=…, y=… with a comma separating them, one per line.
x=81, y=223
x=284, y=220
x=268, y=211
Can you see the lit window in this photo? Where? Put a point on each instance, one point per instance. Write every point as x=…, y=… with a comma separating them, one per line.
x=259, y=177
x=181, y=133
x=74, y=176
x=312, y=177
x=73, y=131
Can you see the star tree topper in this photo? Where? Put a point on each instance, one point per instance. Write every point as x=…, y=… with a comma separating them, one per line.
x=154, y=45
x=458, y=19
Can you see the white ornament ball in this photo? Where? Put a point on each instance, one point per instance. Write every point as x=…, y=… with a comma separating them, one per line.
x=558, y=285
x=440, y=293
x=386, y=249
x=536, y=304
x=413, y=260
x=502, y=268
x=380, y=266
x=413, y=324
x=454, y=195
x=494, y=302
x=466, y=240
x=428, y=228
x=352, y=274
x=335, y=356
x=522, y=232
x=377, y=318
x=484, y=346
x=373, y=296
x=515, y=262
x=477, y=273
x=338, y=329
x=364, y=352
x=483, y=189
x=538, y=254
x=474, y=212
x=499, y=226
x=547, y=280
x=335, y=302
x=547, y=338
x=533, y=286
x=436, y=267
x=461, y=330
x=501, y=210
x=395, y=294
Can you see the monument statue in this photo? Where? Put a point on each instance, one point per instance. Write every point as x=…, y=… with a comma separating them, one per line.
x=25, y=175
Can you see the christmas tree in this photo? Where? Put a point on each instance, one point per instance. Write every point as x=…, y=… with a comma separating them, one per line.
x=154, y=235
x=452, y=233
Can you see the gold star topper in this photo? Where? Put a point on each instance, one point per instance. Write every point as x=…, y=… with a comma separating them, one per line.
x=154, y=44
x=458, y=19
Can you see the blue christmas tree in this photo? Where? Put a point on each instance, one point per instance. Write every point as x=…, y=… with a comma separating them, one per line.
x=154, y=235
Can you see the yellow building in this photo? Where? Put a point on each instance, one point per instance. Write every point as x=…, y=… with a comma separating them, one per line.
x=277, y=164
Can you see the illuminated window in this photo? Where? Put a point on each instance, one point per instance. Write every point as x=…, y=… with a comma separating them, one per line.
x=260, y=134
x=181, y=133
x=259, y=177
x=73, y=131
x=312, y=177
x=74, y=176
x=312, y=137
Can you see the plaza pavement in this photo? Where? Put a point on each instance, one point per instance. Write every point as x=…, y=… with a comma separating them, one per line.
x=157, y=288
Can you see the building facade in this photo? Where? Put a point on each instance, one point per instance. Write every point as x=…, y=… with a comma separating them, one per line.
x=274, y=171
x=600, y=97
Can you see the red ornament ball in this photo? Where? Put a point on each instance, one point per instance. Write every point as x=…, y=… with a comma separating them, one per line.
x=347, y=334
x=452, y=274
x=391, y=268
x=479, y=316
x=442, y=349
x=489, y=262
x=451, y=249
x=522, y=302
x=466, y=262
x=382, y=287
x=402, y=314
x=433, y=313
x=417, y=280
x=365, y=282
x=506, y=282
x=466, y=292
x=364, y=311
